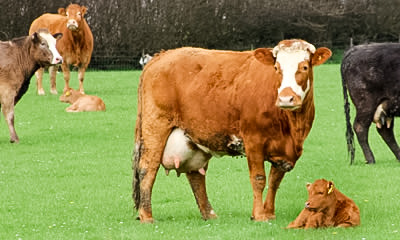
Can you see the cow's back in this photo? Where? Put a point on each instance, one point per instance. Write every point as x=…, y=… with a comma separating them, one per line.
x=205, y=91
x=55, y=23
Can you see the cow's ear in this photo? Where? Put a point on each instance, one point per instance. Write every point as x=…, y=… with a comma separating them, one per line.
x=61, y=11
x=321, y=55
x=83, y=10
x=57, y=36
x=308, y=185
x=264, y=55
x=331, y=187
x=35, y=37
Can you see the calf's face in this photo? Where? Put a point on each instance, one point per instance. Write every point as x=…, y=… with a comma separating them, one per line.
x=70, y=96
x=320, y=195
x=44, y=48
x=293, y=61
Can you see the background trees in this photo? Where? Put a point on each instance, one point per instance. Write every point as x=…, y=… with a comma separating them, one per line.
x=124, y=28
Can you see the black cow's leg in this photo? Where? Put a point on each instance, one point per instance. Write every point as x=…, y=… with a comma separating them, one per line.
x=198, y=183
x=388, y=136
x=361, y=127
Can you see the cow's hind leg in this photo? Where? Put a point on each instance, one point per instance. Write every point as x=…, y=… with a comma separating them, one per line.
x=388, y=136
x=361, y=125
x=146, y=162
x=198, y=183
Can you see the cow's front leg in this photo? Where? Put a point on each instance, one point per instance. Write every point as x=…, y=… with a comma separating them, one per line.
x=198, y=183
x=7, y=103
x=258, y=182
x=274, y=180
x=39, y=79
x=81, y=76
x=53, y=76
x=66, y=72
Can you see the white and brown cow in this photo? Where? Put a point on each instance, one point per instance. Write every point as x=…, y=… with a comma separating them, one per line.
x=19, y=59
x=256, y=103
x=75, y=47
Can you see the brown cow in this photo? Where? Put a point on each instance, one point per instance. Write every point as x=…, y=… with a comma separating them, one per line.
x=326, y=207
x=81, y=102
x=256, y=103
x=75, y=47
x=19, y=59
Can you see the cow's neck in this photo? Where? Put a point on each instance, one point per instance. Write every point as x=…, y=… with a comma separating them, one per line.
x=301, y=121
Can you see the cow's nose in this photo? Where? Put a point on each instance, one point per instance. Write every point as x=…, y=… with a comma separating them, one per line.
x=59, y=60
x=287, y=99
x=307, y=205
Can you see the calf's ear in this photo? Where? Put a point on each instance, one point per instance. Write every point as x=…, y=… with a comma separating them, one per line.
x=320, y=56
x=57, y=36
x=331, y=187
x=264, y=55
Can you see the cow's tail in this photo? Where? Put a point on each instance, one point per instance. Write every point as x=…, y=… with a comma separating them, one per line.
x=349, y=128
x=139, y=148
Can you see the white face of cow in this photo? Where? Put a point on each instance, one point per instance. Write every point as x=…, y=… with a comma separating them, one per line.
x=51, y=41
x=293, y=62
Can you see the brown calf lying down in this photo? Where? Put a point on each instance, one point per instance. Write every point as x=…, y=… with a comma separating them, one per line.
x=326, y=207
x=81, y=102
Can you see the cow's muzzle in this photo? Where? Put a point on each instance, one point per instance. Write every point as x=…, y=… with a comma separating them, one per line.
x=288, y=99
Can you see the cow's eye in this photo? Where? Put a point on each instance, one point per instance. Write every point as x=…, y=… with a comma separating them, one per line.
x=320, y=193
x=276, y=68
x=43, y=44
x=79, y=14
x=305, y=68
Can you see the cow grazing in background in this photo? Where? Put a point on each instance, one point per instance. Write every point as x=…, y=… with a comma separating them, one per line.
x=82, y=102
x=255, y=103
x=19, y=59
x=326, y=207
x=370, y=74
x=75, y=47
x=144, y=59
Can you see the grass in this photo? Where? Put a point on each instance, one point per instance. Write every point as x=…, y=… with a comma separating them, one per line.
x=70, y=176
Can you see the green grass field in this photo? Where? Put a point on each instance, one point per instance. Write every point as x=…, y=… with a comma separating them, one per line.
x=70, y=175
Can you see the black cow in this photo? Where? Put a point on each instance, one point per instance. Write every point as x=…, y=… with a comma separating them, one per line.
x=19, y=60
x=371, y=73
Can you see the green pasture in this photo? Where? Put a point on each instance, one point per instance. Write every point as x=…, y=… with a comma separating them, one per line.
x=70, y=175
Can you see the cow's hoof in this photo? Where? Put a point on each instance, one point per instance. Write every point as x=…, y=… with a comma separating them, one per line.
x=54, y=91
x=210, y=216
x=263, y=218
x=147, y=221
x=40, y=92
x=14, y=140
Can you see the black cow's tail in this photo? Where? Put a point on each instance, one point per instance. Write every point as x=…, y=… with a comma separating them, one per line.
x=349, y=128
x=137, y=153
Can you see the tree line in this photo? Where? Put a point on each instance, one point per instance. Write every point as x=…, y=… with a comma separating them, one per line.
x=123, y=29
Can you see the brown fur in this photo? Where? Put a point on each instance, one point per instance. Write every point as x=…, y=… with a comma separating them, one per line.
x=326, y=207
x=75, y=47
x=19, y=59
x=82, y=102
x=214, y=95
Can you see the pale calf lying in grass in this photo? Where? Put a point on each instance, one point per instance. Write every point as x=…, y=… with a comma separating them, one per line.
x=326, y=207
x=81, y=102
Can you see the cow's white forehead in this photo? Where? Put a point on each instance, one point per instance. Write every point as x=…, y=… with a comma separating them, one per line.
x=293, y=47
x=49, y=38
